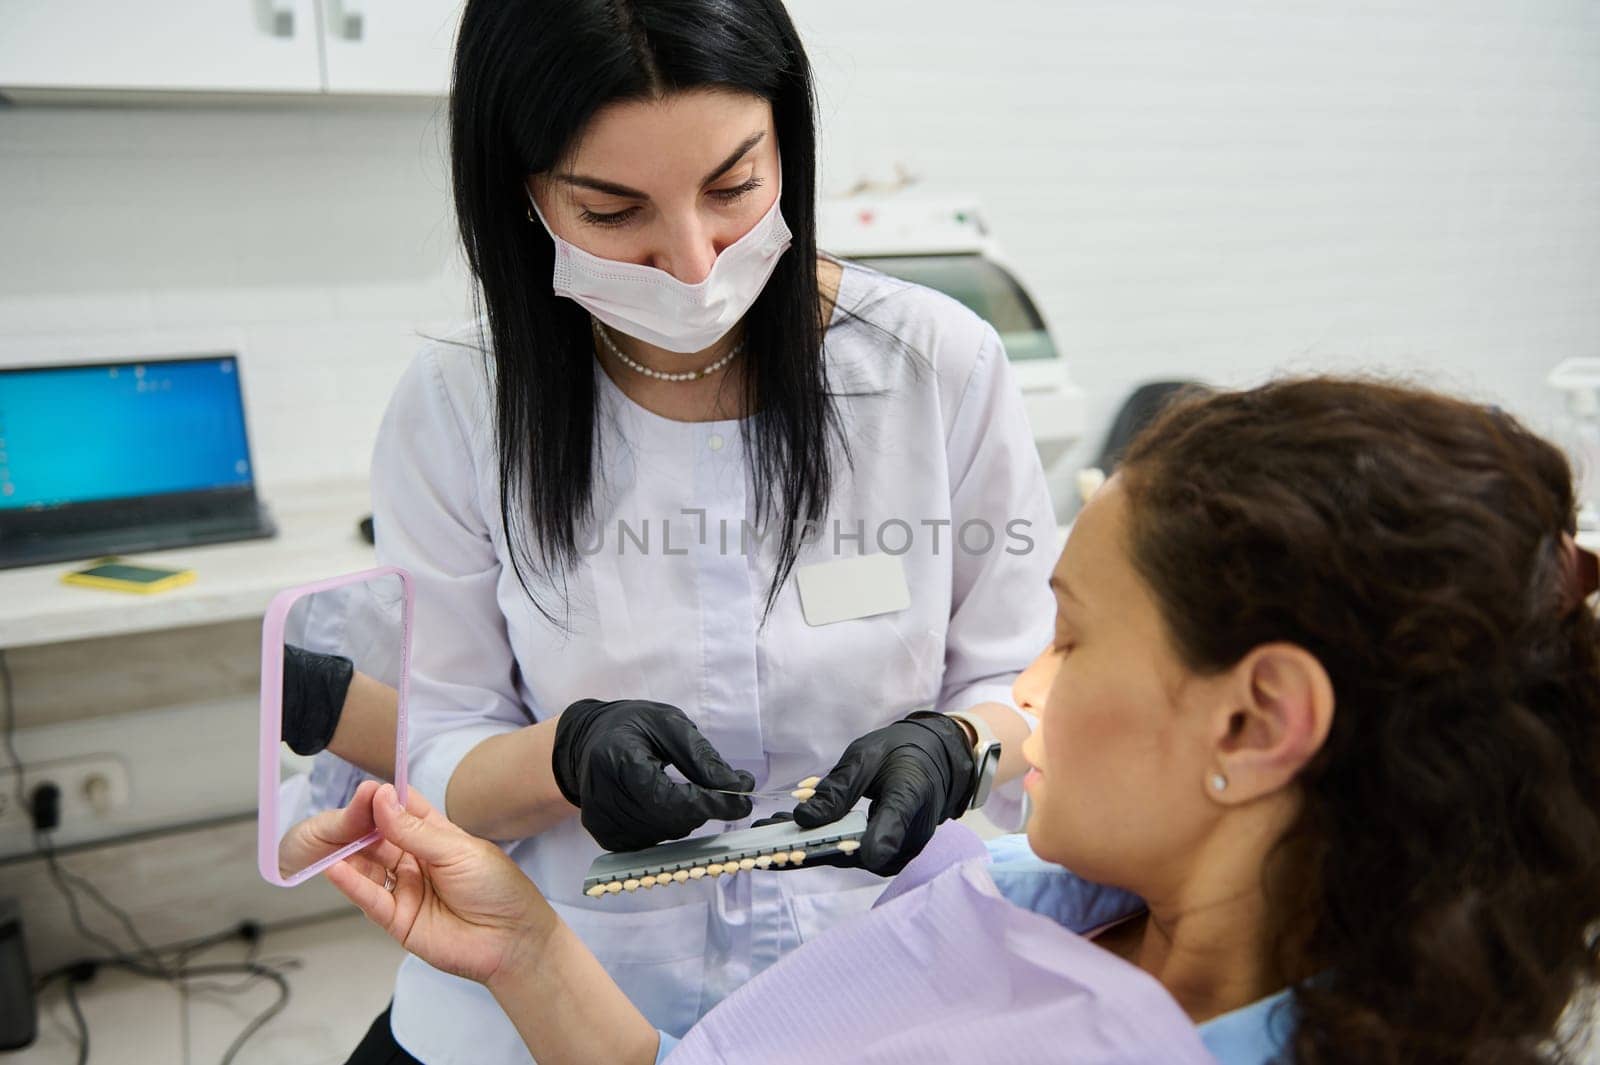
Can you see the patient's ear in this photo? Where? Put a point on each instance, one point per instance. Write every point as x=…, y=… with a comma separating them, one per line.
x=1277, y=715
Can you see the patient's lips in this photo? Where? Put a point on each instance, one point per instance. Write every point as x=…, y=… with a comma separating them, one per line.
x=1034, y=774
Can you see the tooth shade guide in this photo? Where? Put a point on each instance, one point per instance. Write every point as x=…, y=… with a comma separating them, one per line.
x=809, y=782
x=780, y=845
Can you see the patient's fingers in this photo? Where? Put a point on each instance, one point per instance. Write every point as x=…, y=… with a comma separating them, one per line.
x=356, y=820
x=381, y=850
x=369, y=896
x=420, y=806
x=371, y=868
x=419, y=830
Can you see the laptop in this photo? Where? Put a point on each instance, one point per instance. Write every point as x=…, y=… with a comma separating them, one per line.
x=117, y=457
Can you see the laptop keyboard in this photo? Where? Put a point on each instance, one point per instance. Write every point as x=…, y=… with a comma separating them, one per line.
x=93, y=542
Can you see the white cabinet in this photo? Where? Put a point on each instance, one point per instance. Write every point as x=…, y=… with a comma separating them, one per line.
x=389, y=47
x=324, y=47
x=160, y=45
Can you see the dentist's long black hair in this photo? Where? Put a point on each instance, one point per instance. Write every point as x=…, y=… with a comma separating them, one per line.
x=529, y=76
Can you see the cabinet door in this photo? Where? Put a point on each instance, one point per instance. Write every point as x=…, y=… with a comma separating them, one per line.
x=390, y=47
x=160, y=45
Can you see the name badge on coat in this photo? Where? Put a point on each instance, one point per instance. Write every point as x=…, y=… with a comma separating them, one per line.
x=850, y=588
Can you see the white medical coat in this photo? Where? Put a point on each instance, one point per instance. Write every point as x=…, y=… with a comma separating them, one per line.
x=939, y=441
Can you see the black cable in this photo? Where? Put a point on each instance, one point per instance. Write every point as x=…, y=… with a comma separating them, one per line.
x=281, y=1004
x=255, y=971
x=41, y=839
x=77, y=1015
x=62, y=879
x=177, y=975
x=182, y=987
x=153, y=967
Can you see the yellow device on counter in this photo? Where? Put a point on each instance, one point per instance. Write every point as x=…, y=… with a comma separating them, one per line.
x=119, y=576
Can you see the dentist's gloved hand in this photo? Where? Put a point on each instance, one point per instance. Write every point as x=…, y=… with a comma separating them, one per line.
x=314, y=688
x=610, y=761
x=917, y=772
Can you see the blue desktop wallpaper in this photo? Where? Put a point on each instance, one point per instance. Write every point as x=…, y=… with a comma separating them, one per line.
x=82, y=433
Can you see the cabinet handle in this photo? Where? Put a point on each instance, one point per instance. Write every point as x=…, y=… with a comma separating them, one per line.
x=346, y=19
x=276, y=16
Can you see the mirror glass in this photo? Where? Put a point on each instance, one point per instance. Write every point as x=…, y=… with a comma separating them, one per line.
x=334, y=660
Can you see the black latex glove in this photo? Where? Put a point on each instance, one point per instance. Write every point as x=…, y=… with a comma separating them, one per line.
x=610, y=761
x=917, y=772
x=314, y=687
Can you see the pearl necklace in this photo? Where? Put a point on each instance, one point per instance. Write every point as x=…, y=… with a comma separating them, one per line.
x=661, y=375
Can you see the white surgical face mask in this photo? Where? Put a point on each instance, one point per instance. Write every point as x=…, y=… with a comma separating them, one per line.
x=653, y=306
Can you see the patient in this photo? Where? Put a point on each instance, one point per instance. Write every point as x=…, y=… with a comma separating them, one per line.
x=1322, y=714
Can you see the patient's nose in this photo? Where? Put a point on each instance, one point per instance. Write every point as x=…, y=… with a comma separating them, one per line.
x=1032, y=686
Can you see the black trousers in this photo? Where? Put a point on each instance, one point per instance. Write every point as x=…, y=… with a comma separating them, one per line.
x=378, y=1046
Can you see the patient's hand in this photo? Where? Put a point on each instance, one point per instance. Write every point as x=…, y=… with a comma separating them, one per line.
x=458, y=902
x=320, y=835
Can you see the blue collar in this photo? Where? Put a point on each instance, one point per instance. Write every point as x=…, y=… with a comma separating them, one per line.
x=1257, y=1034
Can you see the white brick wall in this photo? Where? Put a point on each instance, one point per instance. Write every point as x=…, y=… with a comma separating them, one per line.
x=316, y=242
x=1190, y=189
x=1224, y=190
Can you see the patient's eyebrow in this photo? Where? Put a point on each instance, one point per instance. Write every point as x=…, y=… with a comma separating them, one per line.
x=1059, y=585
x=611, y=188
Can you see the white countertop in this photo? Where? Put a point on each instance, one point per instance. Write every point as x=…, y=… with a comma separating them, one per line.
x=317, y=538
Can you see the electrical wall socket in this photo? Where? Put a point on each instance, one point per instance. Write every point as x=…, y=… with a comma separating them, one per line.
x=92, y=787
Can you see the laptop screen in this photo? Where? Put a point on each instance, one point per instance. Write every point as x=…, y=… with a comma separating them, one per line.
x=82, y=434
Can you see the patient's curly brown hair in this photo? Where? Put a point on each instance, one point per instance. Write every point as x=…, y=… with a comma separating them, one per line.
x=1434, y=900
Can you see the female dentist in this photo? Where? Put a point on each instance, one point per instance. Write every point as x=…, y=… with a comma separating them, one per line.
x=689, y=495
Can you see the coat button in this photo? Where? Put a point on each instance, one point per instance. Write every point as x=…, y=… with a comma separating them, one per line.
x=715, y=443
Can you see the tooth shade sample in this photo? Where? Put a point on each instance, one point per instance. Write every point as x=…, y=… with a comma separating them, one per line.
x=809, y=782
x=615, y=887
x=797, y=856
x=849, y=846
x=680, y=876
x=697, y=872
x=596, y=891
x=803, y=794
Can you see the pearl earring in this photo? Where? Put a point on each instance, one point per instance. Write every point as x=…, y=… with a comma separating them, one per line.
x=1218, y=782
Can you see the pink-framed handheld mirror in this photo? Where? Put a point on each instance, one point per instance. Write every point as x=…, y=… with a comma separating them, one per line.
x=335, y=681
